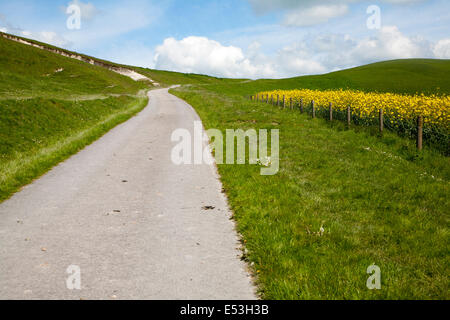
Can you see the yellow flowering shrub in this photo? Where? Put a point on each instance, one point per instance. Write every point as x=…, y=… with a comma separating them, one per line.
x=435, y=109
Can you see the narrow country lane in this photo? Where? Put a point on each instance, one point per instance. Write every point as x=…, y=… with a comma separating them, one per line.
x=128, y=217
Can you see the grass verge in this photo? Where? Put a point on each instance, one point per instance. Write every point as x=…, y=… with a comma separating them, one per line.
x=377, y=199
x=37, y=134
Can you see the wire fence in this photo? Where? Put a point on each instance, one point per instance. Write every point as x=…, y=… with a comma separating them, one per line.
x=434, y=135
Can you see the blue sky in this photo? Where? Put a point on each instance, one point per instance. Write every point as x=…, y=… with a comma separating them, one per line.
x=238, y=38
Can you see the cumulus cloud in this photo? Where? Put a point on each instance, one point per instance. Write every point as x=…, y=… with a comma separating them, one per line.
x=442, y=49
x=202, y=55
x=314, y=15
x=390, y=43
x=337, y=51
x=311, y=55
x=297, y=60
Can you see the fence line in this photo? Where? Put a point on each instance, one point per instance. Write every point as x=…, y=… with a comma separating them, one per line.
x=419, y=136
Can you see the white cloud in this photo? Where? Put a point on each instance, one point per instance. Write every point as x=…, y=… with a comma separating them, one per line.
x=202, y=55
x=311, y=55
x=292, y=61
x=390, y=43
x=442, y=49
x=333, y=52
x=314, y=15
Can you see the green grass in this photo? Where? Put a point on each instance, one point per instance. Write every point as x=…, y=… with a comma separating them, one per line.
x=377, y=199
x=46, y=116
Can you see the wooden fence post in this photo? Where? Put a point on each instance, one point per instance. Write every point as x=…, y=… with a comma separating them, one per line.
x=278, y=100
x=271, y=99
x=290, y=104
x=381, y=121
x=331, y=111
x=420, y=133
x=313, y=109
x=284, y=101
x=349, y=116
x=301, y=105
x=267, y=98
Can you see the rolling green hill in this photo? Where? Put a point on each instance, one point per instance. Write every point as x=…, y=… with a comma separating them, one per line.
x=408, y=76
x=168, y=78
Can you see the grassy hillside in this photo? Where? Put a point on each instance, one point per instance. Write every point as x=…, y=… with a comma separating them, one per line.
x=398, y=76
x=51, y=107
x=168, y=78
x=30, y=72
x=165, y=78
x=377, y=200
x=408, y=76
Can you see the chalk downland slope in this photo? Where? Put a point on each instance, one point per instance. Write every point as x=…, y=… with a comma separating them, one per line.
x=51, y=106
x=123, y=70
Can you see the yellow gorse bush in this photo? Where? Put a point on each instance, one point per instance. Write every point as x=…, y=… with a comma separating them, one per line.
x=434, y=109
